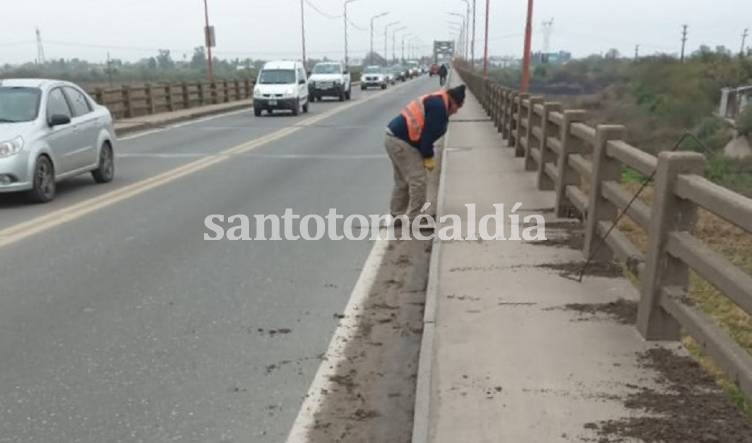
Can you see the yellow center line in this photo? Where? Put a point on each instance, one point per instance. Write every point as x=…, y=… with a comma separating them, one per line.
x=75, y=211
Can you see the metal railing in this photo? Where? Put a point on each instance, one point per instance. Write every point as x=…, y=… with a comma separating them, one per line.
x=565, y=153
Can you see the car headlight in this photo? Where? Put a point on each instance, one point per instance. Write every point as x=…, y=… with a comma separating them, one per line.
x=290, y=91
x=257, y=92
x=11, y=147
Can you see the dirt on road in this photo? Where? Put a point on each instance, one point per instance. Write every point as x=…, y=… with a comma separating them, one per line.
x=372, y=392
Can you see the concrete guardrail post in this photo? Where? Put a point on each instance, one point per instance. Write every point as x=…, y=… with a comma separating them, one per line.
x=186, y=96
x=669, y=213
x=545, y=182
x=518, y=151
x=533, y=121
x=566, y=175
x=127, y=108
x=599, y=208
x=168, y=97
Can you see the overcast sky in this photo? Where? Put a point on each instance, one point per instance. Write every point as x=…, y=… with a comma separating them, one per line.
x=132, y=29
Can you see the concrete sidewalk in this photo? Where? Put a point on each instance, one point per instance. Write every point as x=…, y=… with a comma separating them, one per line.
x=504, y=359
x=144, y=122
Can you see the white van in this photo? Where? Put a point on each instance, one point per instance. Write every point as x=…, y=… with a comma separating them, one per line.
x=281, y=85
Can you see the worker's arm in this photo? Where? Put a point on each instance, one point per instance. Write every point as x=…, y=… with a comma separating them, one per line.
x=435, y=126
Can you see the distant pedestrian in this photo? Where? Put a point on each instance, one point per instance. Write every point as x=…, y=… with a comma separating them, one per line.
x=443, y=72
x=409, y=142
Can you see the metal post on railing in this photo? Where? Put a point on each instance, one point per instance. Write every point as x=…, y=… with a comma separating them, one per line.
x=566, y=176
x=600, y=209
x=669, y=214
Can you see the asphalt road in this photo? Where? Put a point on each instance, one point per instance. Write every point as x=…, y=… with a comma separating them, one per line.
x=120, y=323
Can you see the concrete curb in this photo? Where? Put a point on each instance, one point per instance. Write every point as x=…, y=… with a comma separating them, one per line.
x=145, y=125
x=422, y=412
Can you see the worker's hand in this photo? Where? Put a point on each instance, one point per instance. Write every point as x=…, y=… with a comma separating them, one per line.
x=429, y=164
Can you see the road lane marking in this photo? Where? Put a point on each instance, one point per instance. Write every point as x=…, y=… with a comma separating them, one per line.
x=182, y=124
x=249, y=155
x=345, y=332
x=67, y=214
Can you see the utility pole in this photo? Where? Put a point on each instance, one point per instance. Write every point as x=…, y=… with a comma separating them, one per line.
x=684, y=41
x=109, y=68
x=485, y=47
x=472, y=42
x=302, y=32
x=370, y=56
x=744, y=41
x=636, y=52
x=525, y=83
x=209, y=35
x=40, y=48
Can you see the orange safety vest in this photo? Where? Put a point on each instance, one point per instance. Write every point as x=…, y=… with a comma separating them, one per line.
x=415, y=114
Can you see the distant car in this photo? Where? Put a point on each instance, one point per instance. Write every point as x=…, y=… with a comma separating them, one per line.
x=281, y=84
x=413, y=69
x=398, y=72
x=373, y=76
x=434, y=70
x=51, y=130
x=329, y=79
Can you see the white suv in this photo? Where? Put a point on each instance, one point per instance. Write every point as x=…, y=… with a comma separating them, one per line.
x=281, y=85
x=329, y=79
x=373, y=76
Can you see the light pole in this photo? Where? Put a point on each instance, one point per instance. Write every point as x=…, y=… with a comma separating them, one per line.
x=372, y=20
x=386, y=32
x=394, y=42
x=485, y=46
x=302, y=32
x=463, y=33
x=467, y=27
x=209, y=43
x=406, y=36
x=472, y=41
x=345, y=15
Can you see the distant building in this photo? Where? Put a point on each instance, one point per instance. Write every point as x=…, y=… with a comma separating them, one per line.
x=551, y=58
x=734, y=100
x=503, y=62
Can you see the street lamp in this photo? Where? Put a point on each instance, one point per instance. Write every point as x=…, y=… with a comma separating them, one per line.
x=302, y=31
x=463, y=34
x=345, y=15
x=467, y=27
x=404, y=37
x=372, y=20
x=386, y=32
x=394, y=44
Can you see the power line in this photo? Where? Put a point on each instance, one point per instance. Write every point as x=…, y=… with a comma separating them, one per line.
x=322, y=13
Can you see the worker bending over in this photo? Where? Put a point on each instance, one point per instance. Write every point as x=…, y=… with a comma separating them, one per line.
x=409, y=142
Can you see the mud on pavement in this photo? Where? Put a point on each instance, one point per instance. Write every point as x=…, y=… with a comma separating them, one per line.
x=372, y=393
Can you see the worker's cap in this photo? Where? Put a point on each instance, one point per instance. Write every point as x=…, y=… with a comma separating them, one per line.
x=458, y=94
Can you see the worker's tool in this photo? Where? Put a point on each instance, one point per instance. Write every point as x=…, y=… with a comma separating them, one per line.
x=645, y=182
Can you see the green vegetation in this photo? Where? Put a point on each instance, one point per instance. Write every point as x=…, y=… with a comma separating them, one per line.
x=658, y=99
x=744, y=122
